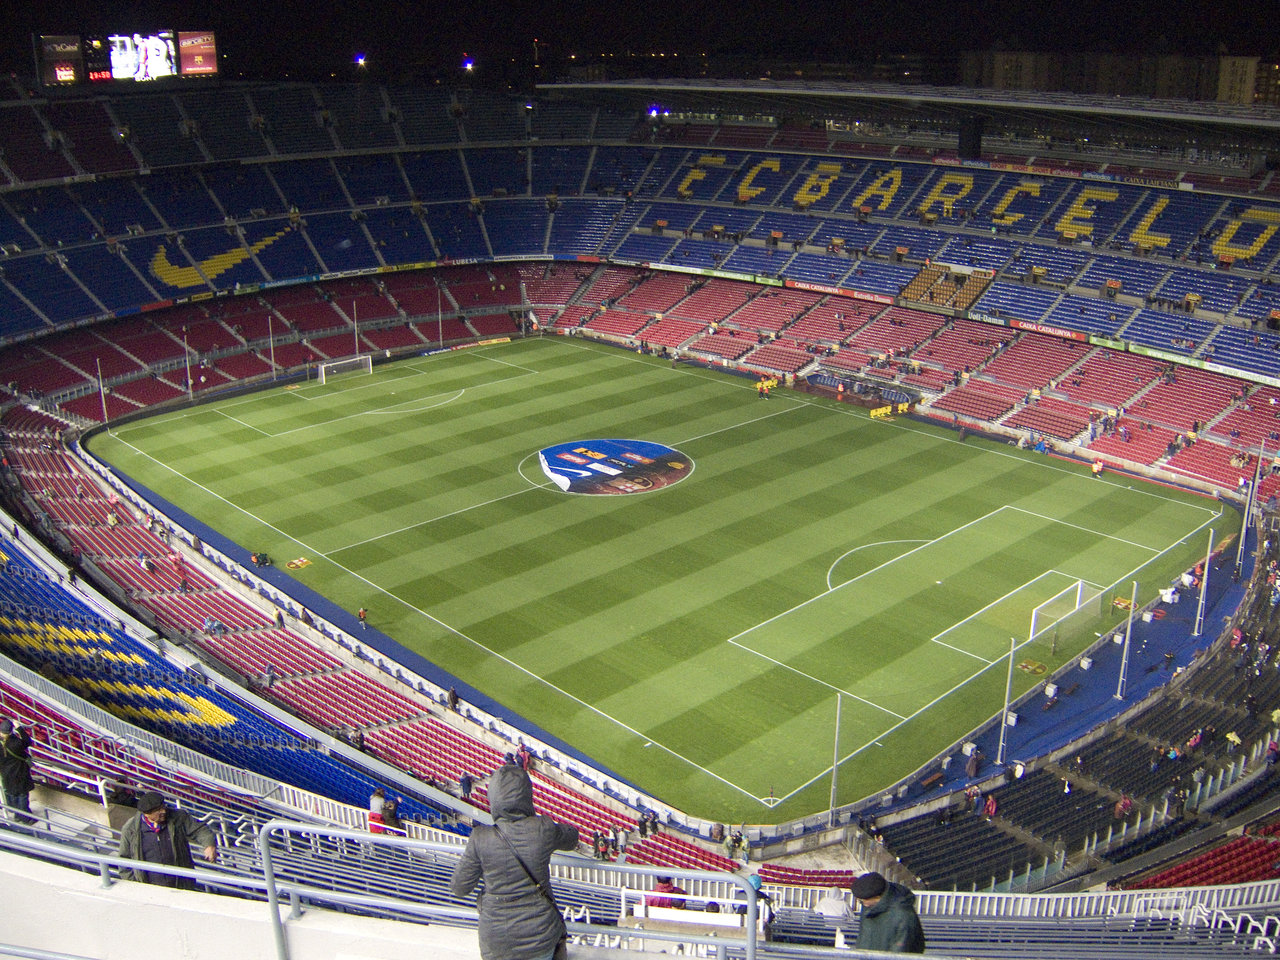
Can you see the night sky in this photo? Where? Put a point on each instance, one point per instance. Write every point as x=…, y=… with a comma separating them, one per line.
x=275, y=38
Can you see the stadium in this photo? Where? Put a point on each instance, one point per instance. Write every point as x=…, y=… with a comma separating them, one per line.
x=933, y=523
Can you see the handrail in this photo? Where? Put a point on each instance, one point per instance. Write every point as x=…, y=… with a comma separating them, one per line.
x=283, y=827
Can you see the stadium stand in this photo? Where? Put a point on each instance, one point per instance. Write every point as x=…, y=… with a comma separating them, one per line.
x=98, y=252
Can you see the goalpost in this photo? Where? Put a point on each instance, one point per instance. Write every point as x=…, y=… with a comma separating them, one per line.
x=334, y=368
x=1079, y=599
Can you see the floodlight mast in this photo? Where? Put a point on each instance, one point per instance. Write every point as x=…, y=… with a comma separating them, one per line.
x=1204, y=588
x=1249, y=501
x=835, y=765
x=102, y=391
x=1008, y=692
x=186, y=355
x=1123, y=685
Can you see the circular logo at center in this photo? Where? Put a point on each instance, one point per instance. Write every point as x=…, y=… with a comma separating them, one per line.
x=613, y=466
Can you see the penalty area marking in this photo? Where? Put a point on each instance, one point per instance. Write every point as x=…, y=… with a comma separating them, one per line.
x=866, y=546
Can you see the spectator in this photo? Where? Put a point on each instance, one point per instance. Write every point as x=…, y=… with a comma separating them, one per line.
x=387, y=821
x=833, y=905
x=377, y=800
x=519, y=918
x=665, y=886
x=15, y=769
x=160, y=835
x=889, y=920
x=973, y=765
x=391, y=817
x=465, y=783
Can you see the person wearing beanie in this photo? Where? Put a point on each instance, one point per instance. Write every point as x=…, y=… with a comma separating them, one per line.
x=161, y=835
x=888, y=918
x=15, y=769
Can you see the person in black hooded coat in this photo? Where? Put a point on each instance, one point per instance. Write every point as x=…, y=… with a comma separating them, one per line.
x=517, y=922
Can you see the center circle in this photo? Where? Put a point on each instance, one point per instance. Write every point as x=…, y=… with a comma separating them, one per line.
x=613, y=466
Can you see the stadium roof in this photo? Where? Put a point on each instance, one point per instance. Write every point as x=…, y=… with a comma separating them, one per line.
x=1177, y=117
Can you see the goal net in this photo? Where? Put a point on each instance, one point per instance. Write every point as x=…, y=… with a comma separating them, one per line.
x=336, y=368
x=1081, y=600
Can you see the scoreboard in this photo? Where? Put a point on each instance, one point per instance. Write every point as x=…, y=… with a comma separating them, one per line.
x=126, y=57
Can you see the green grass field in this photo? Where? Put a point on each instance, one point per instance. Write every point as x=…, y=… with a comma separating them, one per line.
x=693, y=638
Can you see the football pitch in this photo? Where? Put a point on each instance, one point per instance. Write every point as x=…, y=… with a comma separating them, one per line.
x=697, y=637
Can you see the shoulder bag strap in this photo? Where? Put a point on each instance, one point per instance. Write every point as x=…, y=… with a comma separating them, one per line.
x=529, y=873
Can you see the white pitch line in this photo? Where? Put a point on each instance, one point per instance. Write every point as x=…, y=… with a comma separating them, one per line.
x=804, y=603
x=1096, y=533
x=430, y=520
x=901, y=723
x=866, y=546
x=978, y=613
x=866, y=573
x=397, y=407
x=795, y=401
x=1072, y=576
x=734, y=426
x=986, y=450
x=830, y=686
x=452, y=629
x=248, y=426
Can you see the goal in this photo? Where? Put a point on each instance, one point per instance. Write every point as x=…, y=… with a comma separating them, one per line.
x=336, y=368
x=1081, y=599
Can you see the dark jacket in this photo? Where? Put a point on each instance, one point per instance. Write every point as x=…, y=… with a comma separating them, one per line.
x=15, y=764
x=183, y=831
x=891, y=923
x=516, y=921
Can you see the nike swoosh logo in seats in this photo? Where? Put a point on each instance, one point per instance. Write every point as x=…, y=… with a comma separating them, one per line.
x=186, y=277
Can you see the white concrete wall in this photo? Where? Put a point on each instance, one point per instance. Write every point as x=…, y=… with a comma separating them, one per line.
x=56, y=909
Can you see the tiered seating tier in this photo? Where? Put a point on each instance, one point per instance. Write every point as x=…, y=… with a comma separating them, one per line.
x=1048, y=415
x=393, y=338
x=552, y=284
x=658, y=294
x=671, y=332
x=790, y=876
x=975, y=399
x=831, y=321
x=896, y=331
x=726, y=345
x=346, y=697
x=1212, y=461
x=1110, y=378
x=847, y=360
x=1247, y=859
x=1035, y=360
x=611, y=284
x=663, y=849
x=1253, y=421
x=431, y=748
x=618, y=322
x=1145, y=443
x=573, y=315
x=965, y=345
x=1185, y=397
x=714, y=301
x=782, y=359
